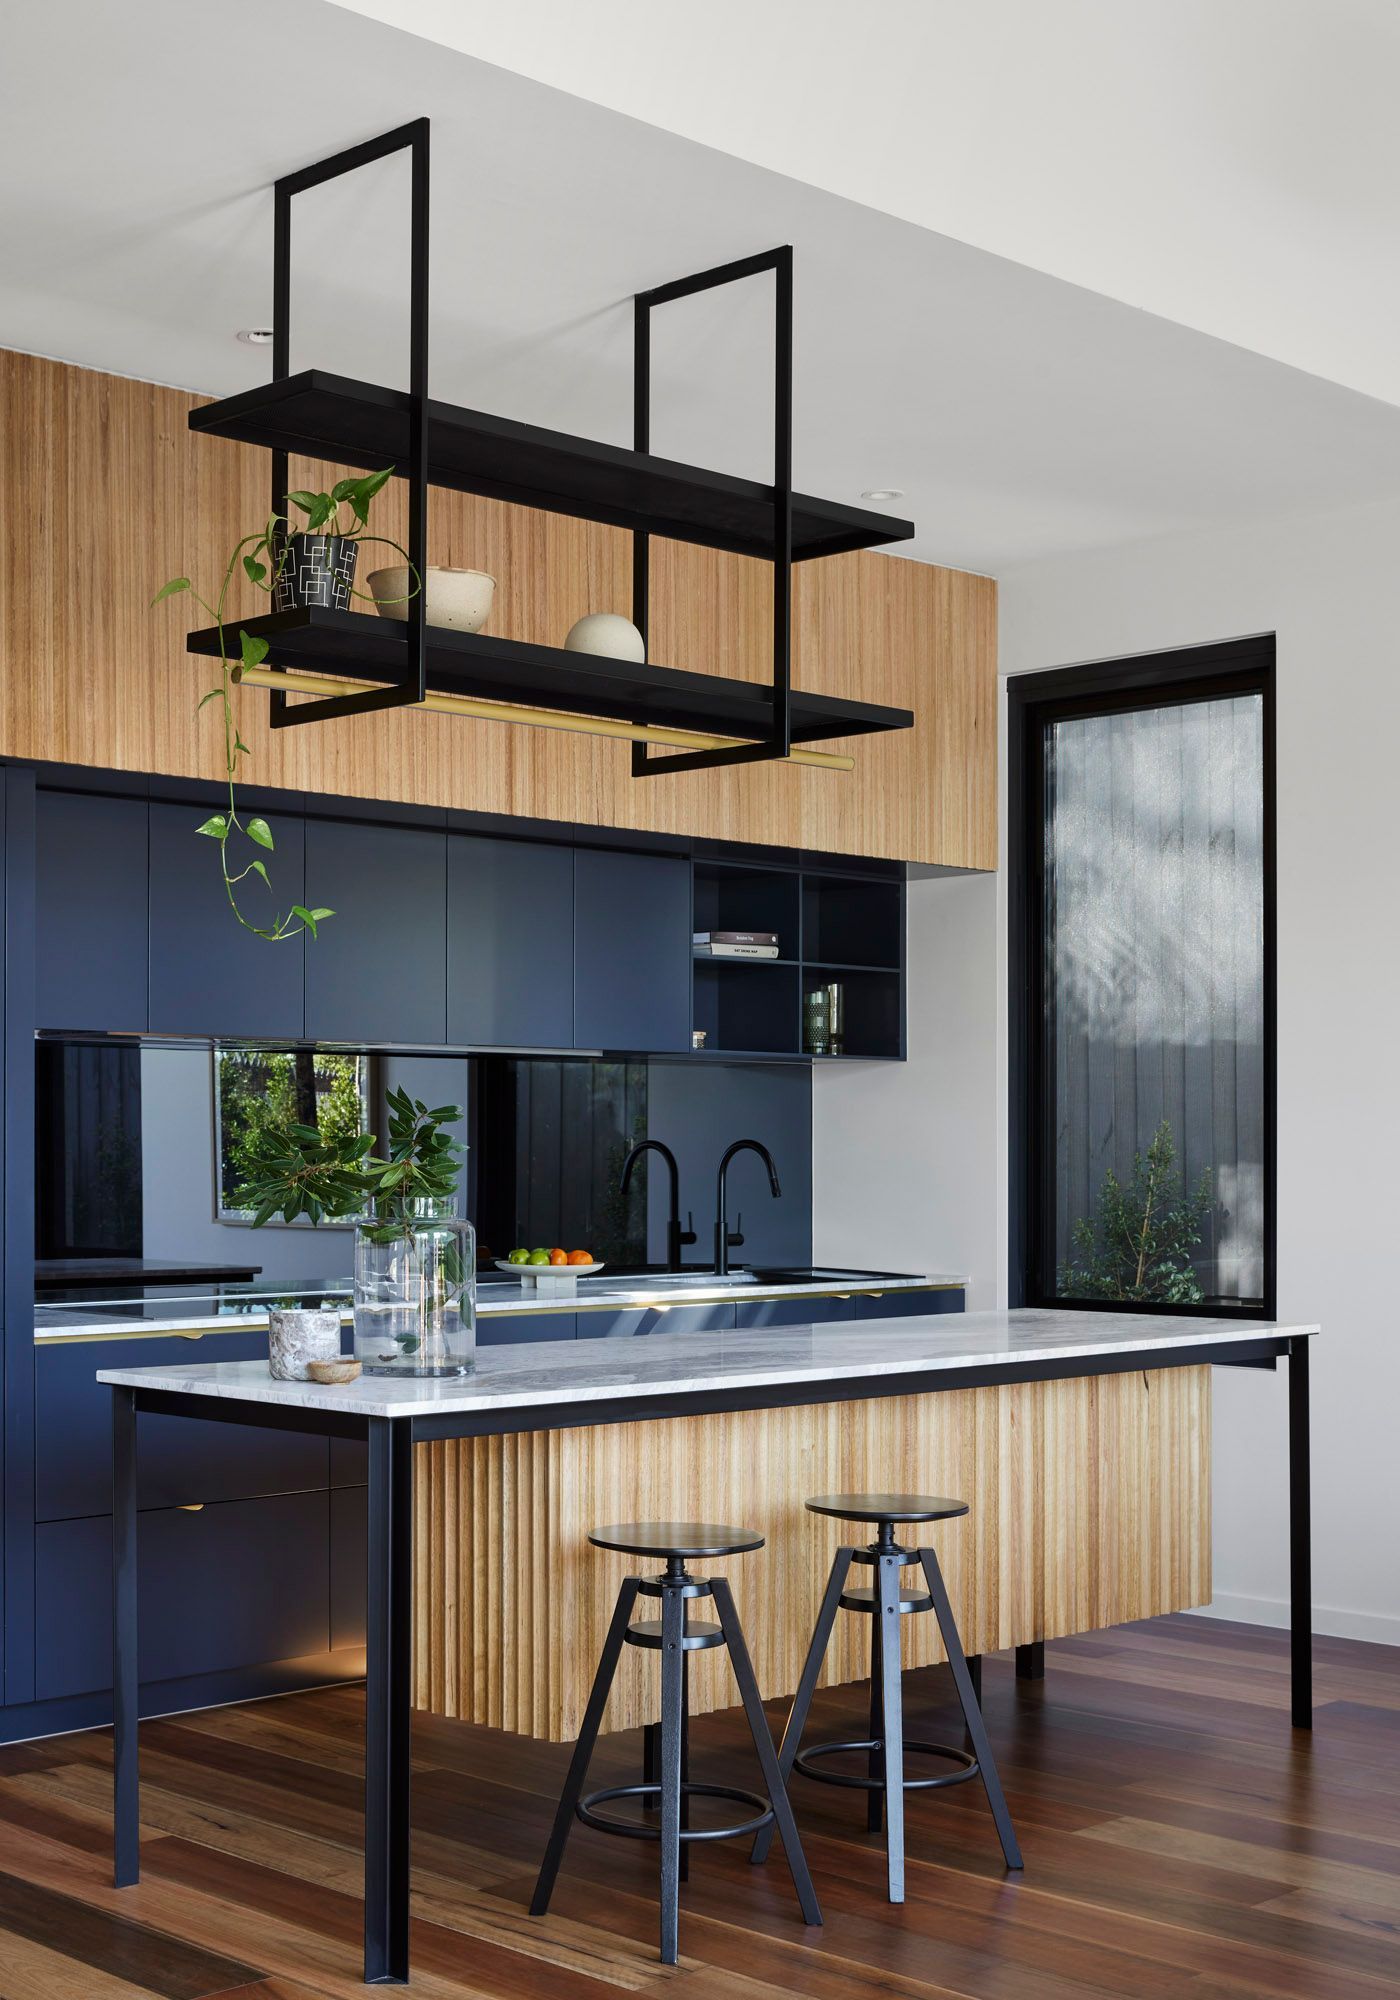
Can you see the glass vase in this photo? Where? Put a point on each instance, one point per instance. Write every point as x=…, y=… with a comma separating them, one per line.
x=415, y=1291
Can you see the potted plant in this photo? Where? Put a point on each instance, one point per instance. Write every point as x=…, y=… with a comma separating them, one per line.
x=284, y=565
x=415, y=1257
x=293, y=1170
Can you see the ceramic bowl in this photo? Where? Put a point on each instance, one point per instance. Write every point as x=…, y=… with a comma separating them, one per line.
x=457, y=598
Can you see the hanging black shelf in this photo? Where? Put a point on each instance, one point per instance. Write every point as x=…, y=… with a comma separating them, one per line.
x=362, y=646
x=359, y=423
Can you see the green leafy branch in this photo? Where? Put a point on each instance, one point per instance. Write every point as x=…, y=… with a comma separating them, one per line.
x=262, y=558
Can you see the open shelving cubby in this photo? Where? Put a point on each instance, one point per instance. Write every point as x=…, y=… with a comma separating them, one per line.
x=749, y=1004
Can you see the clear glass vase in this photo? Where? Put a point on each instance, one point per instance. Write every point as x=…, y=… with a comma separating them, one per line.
x=415, y=1291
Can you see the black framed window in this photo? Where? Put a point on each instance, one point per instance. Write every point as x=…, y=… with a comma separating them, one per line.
x=1142, y=983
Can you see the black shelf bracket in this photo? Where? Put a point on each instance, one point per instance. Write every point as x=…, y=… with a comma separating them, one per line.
x=778, y=741
x=413, y=139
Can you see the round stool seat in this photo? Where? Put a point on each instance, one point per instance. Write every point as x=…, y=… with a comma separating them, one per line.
x=675, y=1538
x=883, y=1507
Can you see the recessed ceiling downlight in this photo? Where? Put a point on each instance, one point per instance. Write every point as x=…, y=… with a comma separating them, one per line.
x=256, y=336
x=883, y=493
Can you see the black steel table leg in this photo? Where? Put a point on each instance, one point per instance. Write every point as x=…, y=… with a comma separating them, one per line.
x=1030, y=1661
x=1300, y=1532
x=388, y=1701
x=126, y=1677
x=806, y=1687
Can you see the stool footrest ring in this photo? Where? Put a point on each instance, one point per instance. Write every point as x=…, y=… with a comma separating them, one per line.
x=642, y=1830
x=805, y=1762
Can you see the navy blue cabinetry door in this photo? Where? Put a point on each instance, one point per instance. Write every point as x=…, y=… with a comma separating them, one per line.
x=791, y=1312
x=632, y=1321
x=209, y=976
x=378, y=971
x=514, y=1328
x=221, y=1587
x=90, y=911
x=510, y=960
x=632, y=954
x=905, y=1305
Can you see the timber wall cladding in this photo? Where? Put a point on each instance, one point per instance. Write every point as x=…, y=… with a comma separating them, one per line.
x=1090, y=1506
x=106, y=494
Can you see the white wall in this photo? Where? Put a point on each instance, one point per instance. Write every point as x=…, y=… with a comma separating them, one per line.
x=904, y=1156
x=1329, y=587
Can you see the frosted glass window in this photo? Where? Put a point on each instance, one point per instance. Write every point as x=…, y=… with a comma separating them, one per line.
x=1154, y=1002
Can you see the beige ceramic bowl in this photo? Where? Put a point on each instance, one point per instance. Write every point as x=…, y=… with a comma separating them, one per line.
x=457, y=598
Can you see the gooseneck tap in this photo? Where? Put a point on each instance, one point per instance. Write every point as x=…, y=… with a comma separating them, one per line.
x=676, y=1237
x=724, y=1240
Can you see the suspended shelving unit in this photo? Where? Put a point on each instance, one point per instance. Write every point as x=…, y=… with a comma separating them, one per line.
x=323, y=663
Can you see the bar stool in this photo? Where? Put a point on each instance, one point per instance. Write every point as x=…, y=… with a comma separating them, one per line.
x=885, y=1603
x=674, y=1634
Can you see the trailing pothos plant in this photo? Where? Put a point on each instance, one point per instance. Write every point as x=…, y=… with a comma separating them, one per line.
x=262, y=557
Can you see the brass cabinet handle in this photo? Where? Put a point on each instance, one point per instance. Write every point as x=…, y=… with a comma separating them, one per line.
x=190, y=1507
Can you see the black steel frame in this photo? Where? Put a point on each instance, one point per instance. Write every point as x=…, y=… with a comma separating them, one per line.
x=1033, y=701
x=412, y=139
x=388, y=1692
x=778, y=742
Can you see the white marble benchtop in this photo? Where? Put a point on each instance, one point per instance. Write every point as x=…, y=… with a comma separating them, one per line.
x=545, y=1374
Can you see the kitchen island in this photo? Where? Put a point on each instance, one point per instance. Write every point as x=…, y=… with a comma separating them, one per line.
x=581, y=1387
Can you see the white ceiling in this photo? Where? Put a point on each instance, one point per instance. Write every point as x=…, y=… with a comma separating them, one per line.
x=1230, y=164
x=1022, y=416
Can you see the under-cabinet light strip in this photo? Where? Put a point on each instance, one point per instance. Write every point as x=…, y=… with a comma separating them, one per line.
x=535, y=718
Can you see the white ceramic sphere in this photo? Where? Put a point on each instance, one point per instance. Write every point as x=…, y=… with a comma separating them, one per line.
x=608, y=634
x=457, y=598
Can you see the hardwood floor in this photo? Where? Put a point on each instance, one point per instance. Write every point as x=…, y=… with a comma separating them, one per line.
x=1180, y=1839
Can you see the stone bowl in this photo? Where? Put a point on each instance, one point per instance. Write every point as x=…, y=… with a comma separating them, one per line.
x=459, y=599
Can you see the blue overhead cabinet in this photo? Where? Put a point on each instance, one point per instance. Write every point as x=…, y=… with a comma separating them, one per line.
x=90, y=910
x=208, y=975
x=510, y=943
x=631, y=951
x=377, y=972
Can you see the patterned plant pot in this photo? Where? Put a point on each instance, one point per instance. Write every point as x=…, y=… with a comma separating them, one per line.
x=318, y=570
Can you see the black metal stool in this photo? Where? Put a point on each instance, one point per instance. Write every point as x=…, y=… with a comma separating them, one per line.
x=674, y=1635
x=885, y=1604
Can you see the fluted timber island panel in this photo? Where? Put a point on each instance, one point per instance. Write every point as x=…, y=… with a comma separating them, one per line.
x=1090, y=1506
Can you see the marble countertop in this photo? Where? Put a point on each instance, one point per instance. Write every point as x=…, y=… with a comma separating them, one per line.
x=565, y=1372
x=75, y=1321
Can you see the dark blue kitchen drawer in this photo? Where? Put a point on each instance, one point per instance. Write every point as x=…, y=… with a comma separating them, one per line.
x=647, y=1319
x=349, y=1558
x=509, y=1329
x=901, y=1305
x=791, y=1312
x=226, y=1586
x=180, y=1459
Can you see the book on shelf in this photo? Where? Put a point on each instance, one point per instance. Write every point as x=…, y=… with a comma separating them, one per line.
x=736, y=951
x=736, y=937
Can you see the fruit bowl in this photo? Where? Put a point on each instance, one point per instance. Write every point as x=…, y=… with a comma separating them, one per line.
x=549, y=1281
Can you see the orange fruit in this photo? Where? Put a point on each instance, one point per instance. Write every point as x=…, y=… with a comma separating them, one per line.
x=558, y=1257
x=580, y=1256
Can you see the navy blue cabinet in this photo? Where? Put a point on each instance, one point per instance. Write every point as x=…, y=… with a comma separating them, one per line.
x=377, y=973
x=209, y=976
x=221, y=1587
x=510, y=1329
x=510, y=945
x=791, y=1312
x=180, y=1460
x=90, y=911
x=632, y=951
x=904, y=1305
x=632, y=1321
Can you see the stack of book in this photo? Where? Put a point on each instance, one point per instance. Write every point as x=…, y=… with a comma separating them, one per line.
x=736, y=944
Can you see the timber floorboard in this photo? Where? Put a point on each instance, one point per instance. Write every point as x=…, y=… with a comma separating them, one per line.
x=1180, y=1840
